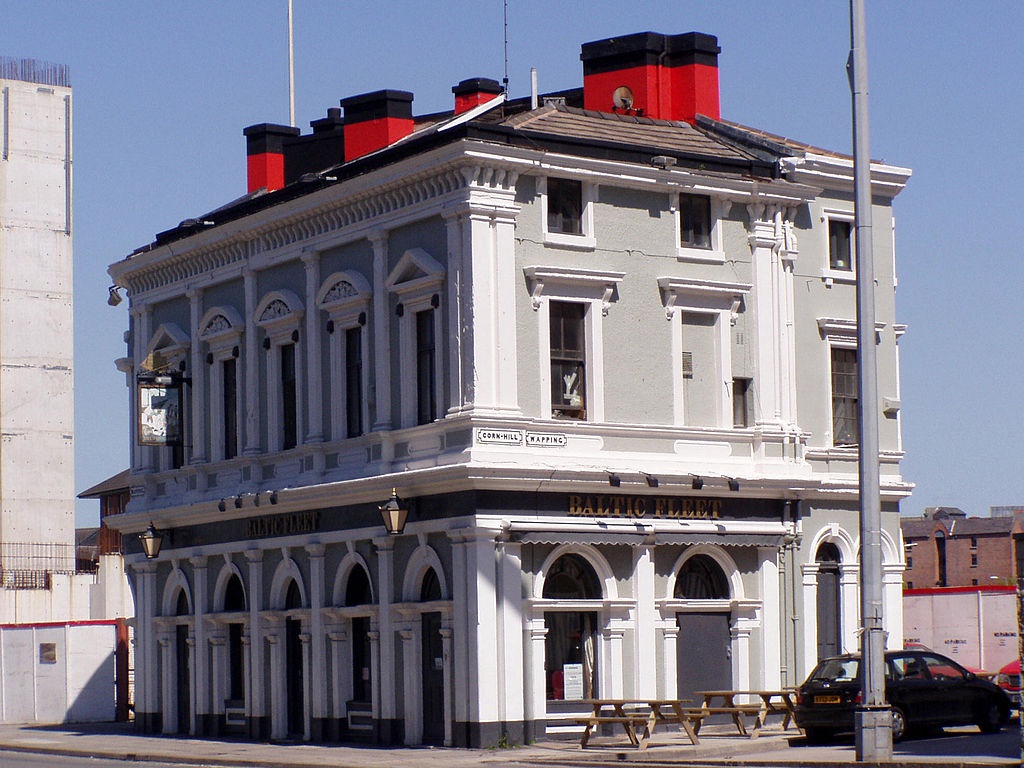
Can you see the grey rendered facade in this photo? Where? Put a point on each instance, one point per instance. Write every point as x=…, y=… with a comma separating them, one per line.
x=681, y=495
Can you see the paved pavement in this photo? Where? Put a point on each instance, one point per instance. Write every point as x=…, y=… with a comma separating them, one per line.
x=719, y=747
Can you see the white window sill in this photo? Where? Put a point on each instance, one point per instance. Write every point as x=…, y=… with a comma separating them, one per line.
x=702, y=255
x=841, y=276
x=581, y=242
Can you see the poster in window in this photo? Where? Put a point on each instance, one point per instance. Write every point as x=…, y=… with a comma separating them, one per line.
x=573, y=677
x=159, y=414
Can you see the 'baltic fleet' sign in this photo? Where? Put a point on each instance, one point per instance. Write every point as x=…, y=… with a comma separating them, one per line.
x=644, y=506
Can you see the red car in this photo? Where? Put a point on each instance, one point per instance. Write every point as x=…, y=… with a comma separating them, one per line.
x=1009, y=678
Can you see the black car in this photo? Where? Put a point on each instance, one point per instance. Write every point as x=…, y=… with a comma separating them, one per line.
x=924, y=690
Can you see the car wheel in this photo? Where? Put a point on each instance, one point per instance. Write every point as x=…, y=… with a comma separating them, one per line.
x=899, y=724
x=993, y=719
x=817, y=735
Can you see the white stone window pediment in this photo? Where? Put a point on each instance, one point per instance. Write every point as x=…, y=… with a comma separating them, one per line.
x=221, y=328
x=344, y=295
x=417, y=273
x=168, y=346
x=679, y=293
x=279, y=313
x=843, y=331
x=572, y=283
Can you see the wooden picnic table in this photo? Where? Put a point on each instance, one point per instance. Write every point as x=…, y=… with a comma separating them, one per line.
x=772, y=702
x=638, y=718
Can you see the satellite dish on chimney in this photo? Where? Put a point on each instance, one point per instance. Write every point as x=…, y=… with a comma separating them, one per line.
x=622, y=98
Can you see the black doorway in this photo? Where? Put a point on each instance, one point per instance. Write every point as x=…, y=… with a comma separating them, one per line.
x=433, y=679
x=704, y=654
x=828, y=614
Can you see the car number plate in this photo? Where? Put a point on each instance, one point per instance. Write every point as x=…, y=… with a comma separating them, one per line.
x=827, y=699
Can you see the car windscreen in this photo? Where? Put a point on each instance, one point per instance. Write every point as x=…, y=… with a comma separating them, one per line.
x=836, y=670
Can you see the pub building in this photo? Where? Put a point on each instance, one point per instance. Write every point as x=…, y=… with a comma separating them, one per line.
x=452, y=421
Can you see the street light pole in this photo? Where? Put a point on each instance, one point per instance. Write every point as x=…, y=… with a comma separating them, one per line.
x=873, y=718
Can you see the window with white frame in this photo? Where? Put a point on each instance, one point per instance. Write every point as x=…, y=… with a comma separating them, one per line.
x=345, y=297
x=841, y=338
x=844, y=397
x=702, y=313
x=221, y=330
x=742, y=410
x=695, y=221
x=842, y=263
x=698, y=222
x=568, y=359
x=571, y=304
x=567, y=210
x=279, y=314
x=417, y=281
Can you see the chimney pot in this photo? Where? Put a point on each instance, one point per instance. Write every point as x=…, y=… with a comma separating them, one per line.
x=667, y=77
x=264, y=150
x=473, y=92
x=376, y=120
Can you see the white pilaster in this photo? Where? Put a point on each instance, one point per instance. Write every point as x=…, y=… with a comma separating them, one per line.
x=766, y=314
x=256, y=673
x=770, y=586
x=386, y=579
x=314, y=364
x=381, y=334
x=201, y=659
x=317, y=692
x=670, y=661
x=645, y=620
x=278, y=687
x=197, y=367
x=849, y=605
x=511, y=670
x=809, y=572
x=412, y=664
x=250, y=372
x=536, y=685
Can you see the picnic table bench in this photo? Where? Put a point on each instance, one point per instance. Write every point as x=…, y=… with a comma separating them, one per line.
x=772, y=702
x=638, y=718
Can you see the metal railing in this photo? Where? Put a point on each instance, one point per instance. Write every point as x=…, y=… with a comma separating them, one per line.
x=26, y=565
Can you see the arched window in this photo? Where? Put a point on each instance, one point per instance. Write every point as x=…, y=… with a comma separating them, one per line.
x=430, y=589
x=701, y=578
x=181, y=606
x=940, y=558
x=234, y=595
x=570, y=645
x=293, y=597
x=572, y=577
x=357, y=591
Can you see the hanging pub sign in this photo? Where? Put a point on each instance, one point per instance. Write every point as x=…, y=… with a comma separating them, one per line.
x=160, y=412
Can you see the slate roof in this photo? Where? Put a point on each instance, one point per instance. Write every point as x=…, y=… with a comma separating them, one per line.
x=587, y=126
x=715, y=147
x=923, y=528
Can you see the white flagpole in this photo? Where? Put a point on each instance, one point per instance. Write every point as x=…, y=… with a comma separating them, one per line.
x=291, y=68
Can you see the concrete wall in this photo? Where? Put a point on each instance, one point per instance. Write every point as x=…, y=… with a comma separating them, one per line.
x=976, y=627
x=56, y=673
x=36, y=339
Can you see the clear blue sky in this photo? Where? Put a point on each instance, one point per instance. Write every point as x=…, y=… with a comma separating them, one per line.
x=162, y=91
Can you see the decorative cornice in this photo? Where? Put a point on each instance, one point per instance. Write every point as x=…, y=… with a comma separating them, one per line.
x=164, y=266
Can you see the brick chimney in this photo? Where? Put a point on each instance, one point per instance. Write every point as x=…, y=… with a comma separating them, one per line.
x=376, y=120
x=264, y=155
x=666, y=77
x=473, y=92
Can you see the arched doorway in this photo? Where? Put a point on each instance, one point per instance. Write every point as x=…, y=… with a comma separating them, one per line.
x=293, y=663
x=234, y=602
x=704, y=647
x=570, y=645
x=433, y=662
x=183, y=666
x=829, y=614
x=358, y=592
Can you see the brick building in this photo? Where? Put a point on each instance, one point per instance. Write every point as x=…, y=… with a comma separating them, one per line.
x=946, y=548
